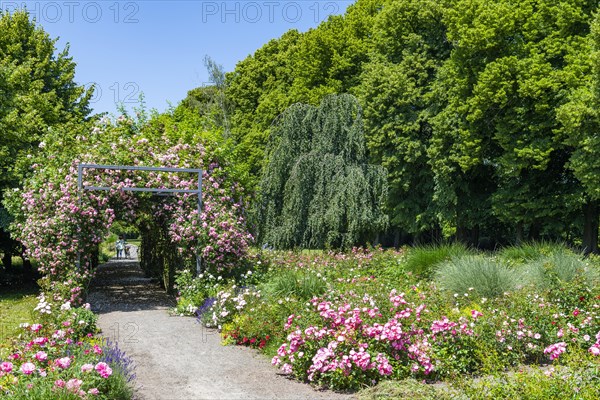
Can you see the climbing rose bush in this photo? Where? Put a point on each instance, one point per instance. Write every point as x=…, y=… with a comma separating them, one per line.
x=55, y=222
x=222, y=236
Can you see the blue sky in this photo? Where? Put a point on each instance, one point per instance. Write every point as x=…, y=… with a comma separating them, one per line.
x=157, y=47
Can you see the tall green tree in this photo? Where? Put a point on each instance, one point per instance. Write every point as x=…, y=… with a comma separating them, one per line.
x=318, y=189
x=258, y=89
x=395, y=91
x=37, y=92
x=580, y=118
x=297, y=67
x=495, y=152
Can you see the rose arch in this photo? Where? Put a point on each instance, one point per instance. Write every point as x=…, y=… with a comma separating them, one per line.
x=62, y=226
x=160, y=191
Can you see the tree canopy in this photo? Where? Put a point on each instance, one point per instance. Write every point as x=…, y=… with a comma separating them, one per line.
x=482, y=112
x=37, y=92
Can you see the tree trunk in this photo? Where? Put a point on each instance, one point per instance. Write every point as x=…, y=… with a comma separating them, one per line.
x=7, y=260
x=27, y=267
x=590, y=227
x=520, y=234
x=396, y=238
x=475, y=236
x=6, y=246
x=377, y=240
x=534, y=231
x=462, y=234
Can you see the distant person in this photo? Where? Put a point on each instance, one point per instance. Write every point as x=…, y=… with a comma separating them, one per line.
x=120, y=246
x=127, y=248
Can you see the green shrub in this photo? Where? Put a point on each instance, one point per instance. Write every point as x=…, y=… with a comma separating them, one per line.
x=533, y=383
x=530, y=251
x=303, y=285
x=193, y=291
x=261, y=325
x=558, y=268
x=486, y=276
x=422, y=260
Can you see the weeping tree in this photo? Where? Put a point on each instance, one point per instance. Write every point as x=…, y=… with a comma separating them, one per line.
x=318, y=189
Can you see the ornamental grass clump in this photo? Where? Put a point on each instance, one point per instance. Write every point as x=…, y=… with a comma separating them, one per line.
x=556, y=269
x=526, y=252
x=302, y=285
x=422, y=260
x=487, y=277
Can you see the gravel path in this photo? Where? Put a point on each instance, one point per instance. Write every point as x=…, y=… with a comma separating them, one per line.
x=175, y=357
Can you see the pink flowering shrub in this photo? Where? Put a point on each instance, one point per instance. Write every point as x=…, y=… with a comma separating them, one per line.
x=355, y=344
x=53, y=362
x=222, y=233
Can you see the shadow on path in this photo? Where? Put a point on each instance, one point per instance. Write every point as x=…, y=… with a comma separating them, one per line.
x=120, y=285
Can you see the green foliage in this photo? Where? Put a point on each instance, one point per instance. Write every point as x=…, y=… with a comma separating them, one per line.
x=559, y=268
x=483, y=113
x=318, y=189
x=529, y=251
x=193, y=291
x=395, y=91
x=38, y=92
x=260, y=328
x=422, y=260
x=85, y=321
x=575, y=381
x=298, y=284
x=488, y=277
x=404, y=389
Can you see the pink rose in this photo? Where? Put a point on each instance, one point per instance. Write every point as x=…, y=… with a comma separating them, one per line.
x=41, y=356
x=74, y=384
x=64, y=362
x=59, y=383
x=87, y=367
x=28, y=368
x=6, y=367
x=103, y=369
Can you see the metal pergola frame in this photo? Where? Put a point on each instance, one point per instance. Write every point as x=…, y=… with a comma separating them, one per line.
x=198, y=191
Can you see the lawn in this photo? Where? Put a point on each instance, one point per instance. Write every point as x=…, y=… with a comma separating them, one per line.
x=16, y=307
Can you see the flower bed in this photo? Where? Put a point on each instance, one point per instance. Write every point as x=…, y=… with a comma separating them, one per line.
x=371, y=320
x=60, y=357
